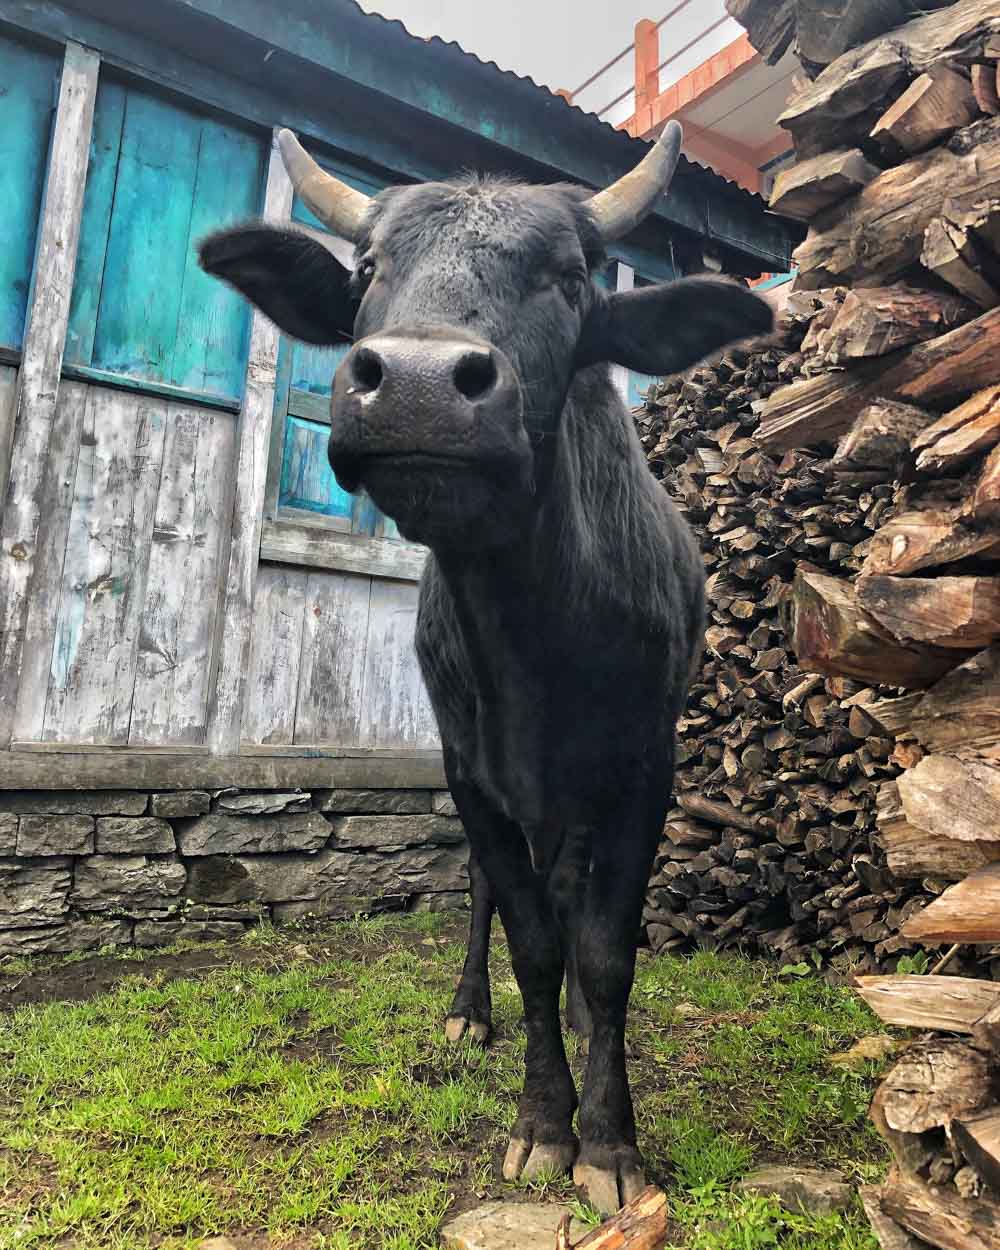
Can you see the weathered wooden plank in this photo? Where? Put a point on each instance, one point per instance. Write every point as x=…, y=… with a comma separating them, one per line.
x=170, y=701
x=240, y=562
x=307, y=480
x=397, y=710
x=946, y=1004
x=352, y=769
x=285, y=542
x=38, y=379
x=8, y=405
x=275, y=657
x=103, y=585
x=334, y=645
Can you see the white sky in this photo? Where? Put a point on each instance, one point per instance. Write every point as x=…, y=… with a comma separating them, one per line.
x=560, y=43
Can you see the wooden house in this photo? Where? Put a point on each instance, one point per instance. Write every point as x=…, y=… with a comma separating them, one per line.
x=187, y=600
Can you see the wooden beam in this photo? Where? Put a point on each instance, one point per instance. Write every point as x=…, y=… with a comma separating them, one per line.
x=235, y=616
x=29, y=539
x=945, y=1004
x=284, y=542
x=312, y=767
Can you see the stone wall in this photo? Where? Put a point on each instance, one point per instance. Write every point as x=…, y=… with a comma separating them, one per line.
x=80, y=870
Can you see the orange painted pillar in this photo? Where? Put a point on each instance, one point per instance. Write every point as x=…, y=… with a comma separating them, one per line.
x=647, y=62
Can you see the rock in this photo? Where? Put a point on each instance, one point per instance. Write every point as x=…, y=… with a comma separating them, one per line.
x=374, y=802
x=217, y=1243
x=77, y=935
x=388, y=833
x=163, y=932
x=8, y=834
x=509, y=1226
x=132, y=884
x=222, y=834
x=868, y=1050
x=180, y=803
x=266, y=804
x=336, y=907
x=55, y=835
x=442, y=804
x=134, y=835
x=75, y=802
x=328, y=874
x=811, y=1189
x=33, y=892
x=447, y=900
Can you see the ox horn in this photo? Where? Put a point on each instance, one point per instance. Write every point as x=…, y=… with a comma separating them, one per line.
x=622, y=206
x=335, y=203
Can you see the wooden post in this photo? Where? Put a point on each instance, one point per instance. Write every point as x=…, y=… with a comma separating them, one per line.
x=253, y=439
x=624, y=281
x=25, y=552
x=647, y=63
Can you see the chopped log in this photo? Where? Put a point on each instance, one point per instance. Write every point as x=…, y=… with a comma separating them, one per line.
x=986, y=1031
x=914, y=853
x=939, y=1215
x=962, y=711
x=770, y=25
x=832, y=633
x=809, y=186
x=953, y=798
x=875, y=321
x=640, y=1225
x=978, y=1138
x=967, y=912
x=888, y=1233
x=948, y=1004
x=720, y=813
x=966, y=431
x=951, y=253
x=877, y=235
x=934, y=1082
x=820, y=409
x=984, y=85
x=934, y=105
x=838, y=105
x=893, y=716
x=925, y=540
x=986, y=499
x=829, y=28
x=954, y=612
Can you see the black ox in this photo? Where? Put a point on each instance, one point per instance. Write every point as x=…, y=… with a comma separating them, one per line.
x=561, y=607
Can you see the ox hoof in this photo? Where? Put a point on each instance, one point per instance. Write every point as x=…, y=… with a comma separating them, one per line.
x=531, y=1163
x=609, y=1189
x=457, y=1027
x=515, y=1158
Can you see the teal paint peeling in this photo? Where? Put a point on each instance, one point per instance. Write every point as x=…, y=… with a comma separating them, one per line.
x=307, y=480
x=27, y=96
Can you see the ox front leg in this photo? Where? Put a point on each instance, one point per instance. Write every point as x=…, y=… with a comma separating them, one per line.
x=472, y=1010
x=609, y=1168
x=542, y=1140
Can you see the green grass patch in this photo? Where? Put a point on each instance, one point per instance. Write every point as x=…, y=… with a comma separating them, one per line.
x=300, y=1088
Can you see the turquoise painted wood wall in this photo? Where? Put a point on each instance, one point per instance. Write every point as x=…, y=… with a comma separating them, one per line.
x=161, y=176
x=27, y=98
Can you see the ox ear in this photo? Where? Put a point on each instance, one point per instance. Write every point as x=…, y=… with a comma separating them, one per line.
x=292, y=277
x=664, y=329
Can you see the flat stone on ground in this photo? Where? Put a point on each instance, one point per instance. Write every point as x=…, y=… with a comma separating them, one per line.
x=815, y=1191
x=508, y=1226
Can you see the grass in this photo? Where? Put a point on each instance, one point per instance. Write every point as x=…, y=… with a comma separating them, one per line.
x=300, y=1090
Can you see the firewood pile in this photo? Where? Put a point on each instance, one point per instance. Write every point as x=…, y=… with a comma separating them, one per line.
x=896, y=124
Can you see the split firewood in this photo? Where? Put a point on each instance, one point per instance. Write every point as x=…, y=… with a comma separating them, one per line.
x=889, y=1234
x=878, y=320
x=719, y=813
x=939, y=1215
x=640, y=1225
x=934, y=105
x=924, y=540
x=967, y=912
x=955, y=612
x=770, y=25
x=951, y=253
x=912, y=852
x=935, y=1082
x=829, y=28
x=986, y=499
x=978, y=1138
x=809, y=186
x=947, y=1004
x=953, y=798
x=969, y=430
x=893, y=716
x=984, y=85
x=962, y=710
x=986, y=1031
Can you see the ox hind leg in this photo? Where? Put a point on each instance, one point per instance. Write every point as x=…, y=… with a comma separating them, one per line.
x=542, y=1138
x=472, y=1010
x=609, y=1167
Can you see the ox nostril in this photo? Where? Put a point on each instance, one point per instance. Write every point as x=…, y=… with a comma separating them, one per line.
x=476, y=374
x=366, y=370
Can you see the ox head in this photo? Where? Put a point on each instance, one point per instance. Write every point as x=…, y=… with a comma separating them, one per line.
x=472, y=305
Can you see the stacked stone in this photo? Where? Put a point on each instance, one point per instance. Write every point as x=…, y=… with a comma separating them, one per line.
x=84, y=870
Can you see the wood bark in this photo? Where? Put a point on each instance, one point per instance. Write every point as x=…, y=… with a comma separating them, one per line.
x=962, y=710
x=770, y=25
x=640, y=1225
x=832, y=633
x=925, y=540
x=969, y=430
x=978, y=1138
x=939, y=1215
x=875, y=321
x=912, y=852
x=948, y=1004
x=809, y=186
x=836, y=107
x=956, y=612
x=934, y=105
x=984, y=84
x=888, y=1233
x=877, y=235
x=986, y=499
x=934, y=1082
x=967, y=912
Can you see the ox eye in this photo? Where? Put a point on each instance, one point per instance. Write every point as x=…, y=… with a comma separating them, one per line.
x=572, y=287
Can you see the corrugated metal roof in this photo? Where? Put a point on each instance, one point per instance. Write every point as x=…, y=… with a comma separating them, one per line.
x=455, y=49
